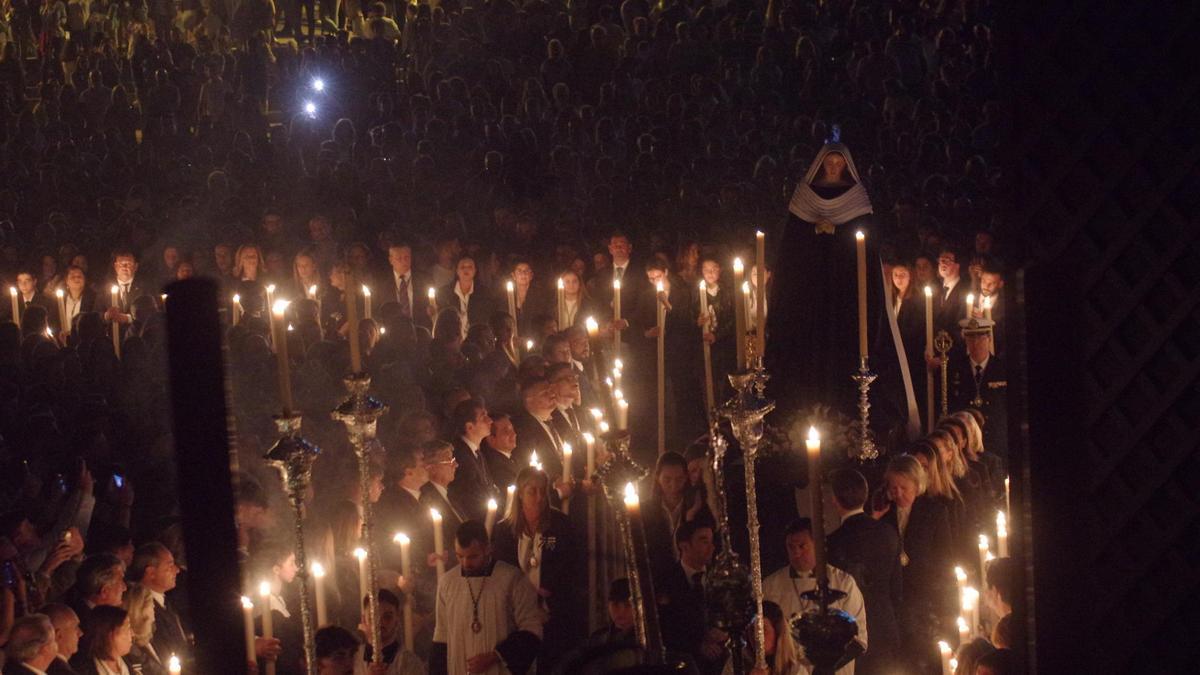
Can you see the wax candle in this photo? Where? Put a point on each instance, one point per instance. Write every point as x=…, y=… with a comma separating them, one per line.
x=590, y=465
x=364, y=575
x=970, y=606
x=860, y=241
x=813, y=446
x=929, y=389
x=709, y=394
x=318, y=572
x=64, y=326
x=945, y=652
x=970, y=305
x=760, y=268
x=248, y=626
x=964, y=630
x=510, y=492
x=490, y=521
x=632, y=504
x=312, y=292
x=1001, y=534
x=436, y=516
x=622, y=414
x=746, y=313
x=528, y=346
x=616, y=316
x=960, y=577
x=432, y=295
x=953, y=665
x=567, y=451
x=512, y=299
x=116, y=325
x=739, y=313
x=983, y=551
x=174, y=666
x=16, y=308
x=270, y=295
x=662, y=367
x=236, y=310
x=264, y=592
x=988, y=301
x=592, y=327
x=1007, y=499
x=406, y=572
x=561, y=306
x=352, y=333
x=283, y=364
x=366, y=291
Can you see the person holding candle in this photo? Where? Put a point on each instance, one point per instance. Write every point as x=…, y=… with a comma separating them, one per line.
x=814, y=322
x=672, y=503
x=526, y=299
x=396, y=660
x=306, y=275
x=438, y=458
x=536, y=432
x=120, y=309
x=991, y=288
x=576, y=303
x=498, y=450
x=78, y=296
x=276, y=564
x=950, y=293
x=930, y=605
x=908, y=305
x=631, y=286
x=543, y=543
x=786, y=587
x=473, y=302
x=717, y=328
x=405, y=289
x=29, y=296
x=488, y=615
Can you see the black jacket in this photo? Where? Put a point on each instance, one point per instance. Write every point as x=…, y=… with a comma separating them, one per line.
x=870, y=551
x=472, y=485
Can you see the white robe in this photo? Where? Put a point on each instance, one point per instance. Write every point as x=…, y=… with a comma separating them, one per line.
x=508, y=603
x=785, y=591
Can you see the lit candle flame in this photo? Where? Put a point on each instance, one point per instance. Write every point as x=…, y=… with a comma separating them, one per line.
x=318, y=570
x=929, y=291
x=401, y=539
x=592, y=326
x=737, y=265
x=561, y=286
x=264, y=589
x=247, y=603
x=631, y=495
x=859, y=236
x=366, y=291
x=173, y=664
x=312, y=291
x=58, y=292
x=492, y=505
x=360, y=553
x=280, y=307
x=270, y=288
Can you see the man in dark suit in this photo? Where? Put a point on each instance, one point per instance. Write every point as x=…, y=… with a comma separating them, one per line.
x=633, y=282
x=680, y=591
x=154, y=567
x=979, y=379
x=498, y=453
x=991, y=286
x=438, y=458
x=472, y=485
x=28, y=295
x=66, y=634
x=466, y=294
x=128, y=288
x=536, y=432
x=403, y=288
x=31, y=646
x=870, y=552
x=949, y=301
x=568, y=417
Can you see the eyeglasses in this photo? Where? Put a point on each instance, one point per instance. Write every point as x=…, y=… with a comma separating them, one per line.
x=451, y=461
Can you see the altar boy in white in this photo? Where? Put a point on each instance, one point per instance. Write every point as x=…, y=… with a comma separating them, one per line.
x=488, y=618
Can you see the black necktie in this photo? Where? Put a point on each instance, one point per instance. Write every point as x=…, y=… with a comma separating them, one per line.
x=697, y=581
x=402, y=297
x=978, y=375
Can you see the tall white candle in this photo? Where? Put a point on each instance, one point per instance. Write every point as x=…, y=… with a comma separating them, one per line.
x=616, y=317
x=248, y=625
x=739, y=306
x=283, y=363
x=561, y=305
x=436, y=516
x=236, y=309
x=264, y=593
x=760, y=267
x=64, y=326
x=116, y=325
x=174, y=666
x=1001, y=534
x=964, y=630
x=512, y=299
x=432, y=295
x=364, y=575
x=490, y=521
x=406, y=572
x=860, y=245
x=983, y=551
x=16, y=309
x=945, y=652
x=590, y=466
x=929, y=392
x=510, y=492
x=366, y=291
x=318, y=572
x=661, y=303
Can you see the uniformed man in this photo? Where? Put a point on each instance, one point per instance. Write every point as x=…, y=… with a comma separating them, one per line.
x=978, y=379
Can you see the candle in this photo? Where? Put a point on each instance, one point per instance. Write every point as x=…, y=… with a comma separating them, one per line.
x=590, y=466
x=352, y=334
x=318, y=572
x=490, y=521
x=960, y=576
x=944, y=651
x=281, y=355
x=16, y=308
x=510, y=492
x=561, y=307
x=860, y=241
x=592, y=327
x=270, y=295
x=746, y=313
x=174, y=666
x=528, y=346
x=632, y=504
x=662, y=367
x=739, y=314
x=364, y=574
x=248, y=625
x=813, y=446
x=432, y=295
x=709, y=395
x=622, y=414
x=116, y=325
x=953, y=665
x=406, y=572
x=1002, y=534
x=264, y=592
x=436, y=516
x=366, y=302
x=534, y=462
x=64, y=326
x=512, y=299
x=987, y=307
x=1007, y=499
x=964, y=631
x=237, y=310
x=616, y=316
x=970, y=304
x=970, y=606
x=312, y=293
x=567, y=450
x=929, y=393
x=760, y=268
x=983, y=551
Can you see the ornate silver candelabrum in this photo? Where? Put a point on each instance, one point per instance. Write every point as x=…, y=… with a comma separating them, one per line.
x=360, y=412
x=294, y=455
x=745, y=412
x=728, y=592
x=867, y=450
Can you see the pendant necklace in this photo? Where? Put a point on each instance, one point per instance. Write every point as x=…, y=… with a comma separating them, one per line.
x=476, y=626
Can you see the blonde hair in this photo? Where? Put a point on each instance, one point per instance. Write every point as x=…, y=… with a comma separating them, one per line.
x=939, y=482
x=907, y=466
x=517, y=514
x=237, y=260
x=974, y=448
x=140, y=605
x=942, y=438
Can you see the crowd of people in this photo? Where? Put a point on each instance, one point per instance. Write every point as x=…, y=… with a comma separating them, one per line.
x=432, y=154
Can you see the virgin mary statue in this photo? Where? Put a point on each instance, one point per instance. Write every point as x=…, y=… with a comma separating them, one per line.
x=812, y=347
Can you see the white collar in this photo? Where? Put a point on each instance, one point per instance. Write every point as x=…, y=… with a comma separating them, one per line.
x=159, y=599
x=689, y=571
x=982, y=364
x=415, y=493
x=441, y=490
x=459, y=291
x=406, y=276
x=851, y=514
x=949, y=285
x=473, y=446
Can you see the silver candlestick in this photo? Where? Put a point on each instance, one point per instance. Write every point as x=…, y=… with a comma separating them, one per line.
x=728, y=592
x=294, y=455
x=867, y=450
x=360, y=412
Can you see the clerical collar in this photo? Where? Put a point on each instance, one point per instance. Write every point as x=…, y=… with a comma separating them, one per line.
x=851, y=514
x=485, y=572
